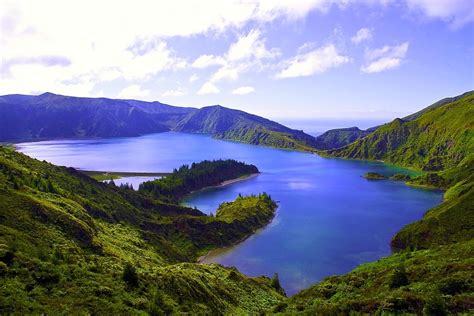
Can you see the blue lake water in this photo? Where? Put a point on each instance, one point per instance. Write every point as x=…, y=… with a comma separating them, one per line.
x=329, y=219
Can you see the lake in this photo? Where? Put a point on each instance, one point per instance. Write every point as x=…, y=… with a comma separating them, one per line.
x=329, y=218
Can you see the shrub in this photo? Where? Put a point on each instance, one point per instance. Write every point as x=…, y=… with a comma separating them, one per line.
x=130, y=275
x=434, y=307
x=399, y=278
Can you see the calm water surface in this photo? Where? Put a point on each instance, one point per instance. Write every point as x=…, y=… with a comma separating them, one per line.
x=329, y=219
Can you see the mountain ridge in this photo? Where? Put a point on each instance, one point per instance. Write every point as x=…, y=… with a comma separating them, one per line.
x=49, y=116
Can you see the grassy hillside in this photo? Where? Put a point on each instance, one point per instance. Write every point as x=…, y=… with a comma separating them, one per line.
x=71, y=244
x=265, y=137
x=340, y=137
x=240, y=126
x=430, y=282
x=438, y=139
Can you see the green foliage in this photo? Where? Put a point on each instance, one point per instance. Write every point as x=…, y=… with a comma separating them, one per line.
x=200, y=175
x=399, y=278
x=275, y=283
x=130, y=275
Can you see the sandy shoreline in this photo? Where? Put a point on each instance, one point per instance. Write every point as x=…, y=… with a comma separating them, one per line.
x=228, y=182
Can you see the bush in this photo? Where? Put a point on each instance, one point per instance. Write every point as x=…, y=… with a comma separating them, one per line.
x=130, y=275
x=399, y=278
x=434, y=307
x=453, y=286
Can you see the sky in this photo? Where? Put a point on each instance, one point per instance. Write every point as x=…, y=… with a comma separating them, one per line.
x=293, y=59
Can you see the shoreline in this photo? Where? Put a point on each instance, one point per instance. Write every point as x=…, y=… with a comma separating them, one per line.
x=223, y=184
x=200, y=259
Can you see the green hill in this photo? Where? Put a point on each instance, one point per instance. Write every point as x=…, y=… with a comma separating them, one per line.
x=70, y=244
x=337, y=138
x=438, y=139
x=240, y=126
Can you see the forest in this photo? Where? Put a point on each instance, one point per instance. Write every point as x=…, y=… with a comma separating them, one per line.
x=200, y=175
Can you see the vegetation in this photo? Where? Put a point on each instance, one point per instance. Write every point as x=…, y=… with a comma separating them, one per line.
x=70, y=244
x=265, y=137
x=405, y=282
x=200, y=175
x=438, y=139
x=374, y=176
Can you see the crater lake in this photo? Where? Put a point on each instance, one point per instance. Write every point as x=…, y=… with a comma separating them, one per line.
x=329, y=219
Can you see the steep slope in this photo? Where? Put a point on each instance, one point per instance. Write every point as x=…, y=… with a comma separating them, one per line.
x=436, y=105
x=244, y=127
x=429, y=282
x=340, y=137
x=438, y=139
x=70, y=244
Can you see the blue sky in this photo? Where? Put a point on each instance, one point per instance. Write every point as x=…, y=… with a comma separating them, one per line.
x=281, y=59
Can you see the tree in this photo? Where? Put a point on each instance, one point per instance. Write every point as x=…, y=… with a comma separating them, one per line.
x=275, y=283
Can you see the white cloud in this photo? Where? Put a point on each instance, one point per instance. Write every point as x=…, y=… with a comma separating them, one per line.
x=174, y=93
x=205, y=61
x=245, y=53
x=128, y=45
x=313, y=62
x=385, y=58
x=364, y=34
x=243, y=90
x=250, y=45
x=208, y=88
x=456, y=12
x=193, y=78
x=133, y=91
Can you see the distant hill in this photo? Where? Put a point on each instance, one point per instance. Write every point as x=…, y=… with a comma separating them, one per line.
x=436, y=138
x=50, y=116
x=241, y=126
x=340, y=137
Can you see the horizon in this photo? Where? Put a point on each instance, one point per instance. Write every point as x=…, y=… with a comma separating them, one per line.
x=353, y=60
